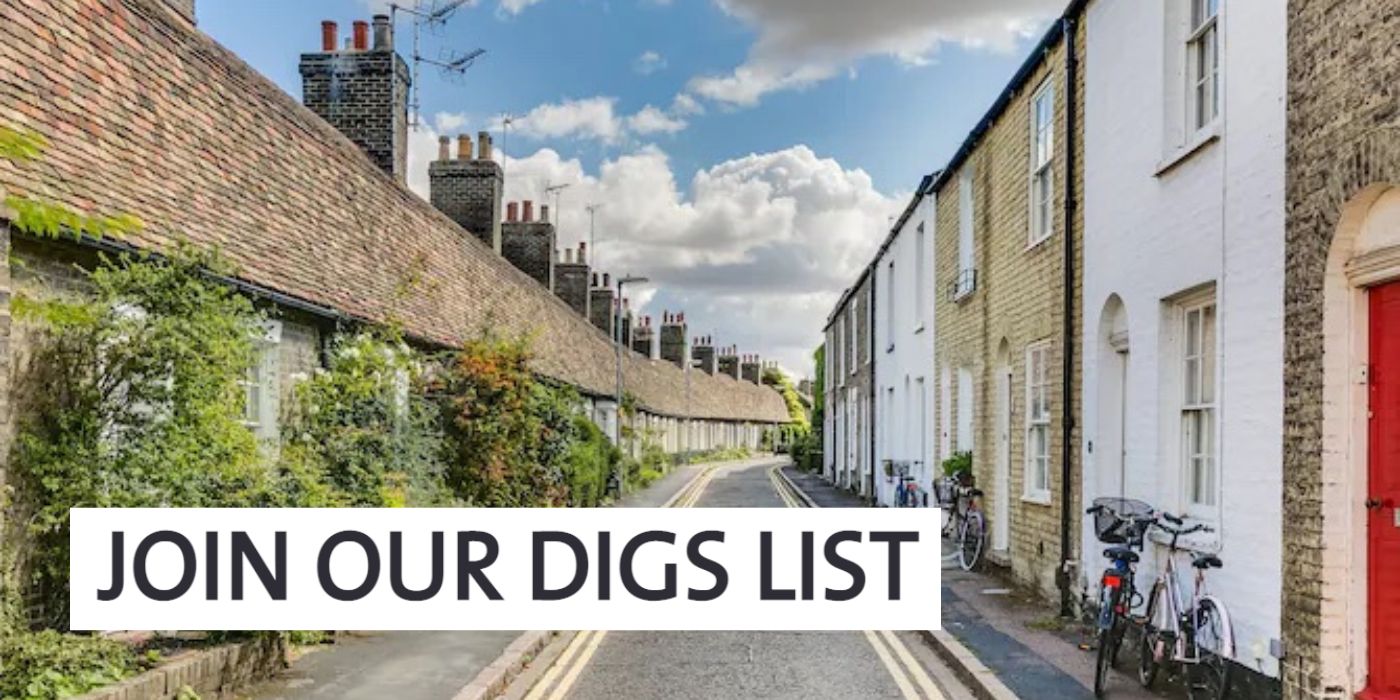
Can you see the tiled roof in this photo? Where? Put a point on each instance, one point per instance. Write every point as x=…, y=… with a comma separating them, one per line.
x=146, y=115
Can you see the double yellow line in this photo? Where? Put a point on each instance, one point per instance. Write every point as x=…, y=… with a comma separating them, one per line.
x=911, y=677
x=556, y=682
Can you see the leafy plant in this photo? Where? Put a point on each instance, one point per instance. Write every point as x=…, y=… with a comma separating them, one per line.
x=362, y=432
x=49, y=664
x=132, y=399
x=958, y=465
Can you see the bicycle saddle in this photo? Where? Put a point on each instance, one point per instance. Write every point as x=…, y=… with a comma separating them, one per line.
x=1206, y=561
x=975, y=492
x=1121, y=553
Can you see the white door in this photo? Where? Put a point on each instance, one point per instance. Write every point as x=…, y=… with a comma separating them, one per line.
x=1001, y=525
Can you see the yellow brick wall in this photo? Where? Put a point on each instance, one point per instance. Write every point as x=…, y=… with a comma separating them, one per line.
x=1018, y=302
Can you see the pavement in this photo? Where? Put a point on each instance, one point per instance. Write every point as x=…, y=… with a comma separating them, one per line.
x=705, y=665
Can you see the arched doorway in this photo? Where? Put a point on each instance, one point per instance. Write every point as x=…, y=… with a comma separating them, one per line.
x=1111, y=445
x=1361, y=438
x=1001, y=518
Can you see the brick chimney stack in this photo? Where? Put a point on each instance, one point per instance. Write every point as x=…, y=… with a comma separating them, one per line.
x=362, y=91
x=643, y=337
x=601, y=303
x=751, y=370
x=571, y=281
x=704, y=354
x=468, y=189
x=729, y=362
x=625, y=323
x=529, y=244
x=674, y=340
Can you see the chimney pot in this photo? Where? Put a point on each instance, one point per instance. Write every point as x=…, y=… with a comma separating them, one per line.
x=512, y=212
x=527, y=211
x=444, y=148
x=582, y=247
x=361, y=35
x=464, y=147
x=607, y=280
x=568, y=255
x=483, y=140
x=383, y=33
x=595, y=279
x=329, y=36
x=544, y=213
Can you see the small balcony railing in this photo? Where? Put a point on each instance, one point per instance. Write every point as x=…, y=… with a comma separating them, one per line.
x=963, y=285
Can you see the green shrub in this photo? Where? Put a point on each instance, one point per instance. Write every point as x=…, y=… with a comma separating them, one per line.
x=958, y=465
x=591, y=459
x=132, y=399
x=362, y=432
x=49, y=664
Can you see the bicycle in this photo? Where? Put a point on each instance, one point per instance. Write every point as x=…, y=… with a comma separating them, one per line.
x=965, y=520
x=1123, y=523
x=1199, y=636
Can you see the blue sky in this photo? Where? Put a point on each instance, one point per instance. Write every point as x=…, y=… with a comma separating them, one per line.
x=754, y=199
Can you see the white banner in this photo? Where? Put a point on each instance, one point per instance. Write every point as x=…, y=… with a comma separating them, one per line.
x=505, y=569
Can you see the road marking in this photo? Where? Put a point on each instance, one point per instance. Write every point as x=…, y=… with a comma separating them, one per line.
x=577, y=654
x=567, y=681
x=905, y=688
x=542, y=686
x=912, y=669
x=915, y=669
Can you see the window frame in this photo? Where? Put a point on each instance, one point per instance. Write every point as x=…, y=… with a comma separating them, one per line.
x=1202, y=42
x=890, y=310
x=1036, y=468
x=263, y=380
x=1203, y=411
x=920, y=277
x=1041, y=225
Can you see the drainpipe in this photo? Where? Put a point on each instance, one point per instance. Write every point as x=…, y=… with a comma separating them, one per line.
x=1067, y=389
x=874, y=358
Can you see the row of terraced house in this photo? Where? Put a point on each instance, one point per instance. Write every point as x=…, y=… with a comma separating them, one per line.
x=143, y=114
x=1162, y=266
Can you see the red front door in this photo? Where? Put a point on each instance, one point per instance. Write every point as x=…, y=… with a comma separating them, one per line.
x=1383, y=495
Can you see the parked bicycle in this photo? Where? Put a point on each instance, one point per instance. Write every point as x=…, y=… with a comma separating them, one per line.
x=1121, y=522
x=1196, y=633
x=965, y=523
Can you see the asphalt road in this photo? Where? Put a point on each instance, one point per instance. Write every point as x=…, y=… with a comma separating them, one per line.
x=683, y=665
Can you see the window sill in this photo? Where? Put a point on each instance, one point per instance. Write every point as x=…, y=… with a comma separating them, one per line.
x=1197, y=143
x=1040, y=499
x=1039, y=241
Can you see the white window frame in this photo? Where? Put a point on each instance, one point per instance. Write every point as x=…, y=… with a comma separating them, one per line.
x=1036, y=484
x=967, y=222
x=852, y=334
x=1202, y=64
x=1042, y=159
x=1199, y=369
x=889, y=306
x=966, y=438
x=920, y=276
x=262, y=385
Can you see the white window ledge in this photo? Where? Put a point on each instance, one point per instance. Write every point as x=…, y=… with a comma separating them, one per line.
x=1198, y=142
x=1040, y=498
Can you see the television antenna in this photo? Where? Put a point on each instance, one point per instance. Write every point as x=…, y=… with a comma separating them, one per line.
x=555, y=190
x=452, y=64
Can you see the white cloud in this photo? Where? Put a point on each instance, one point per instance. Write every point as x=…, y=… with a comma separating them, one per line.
x=588, y=118
x=686, y=105
x=450, y=122
x=755, y=250
x=802, y=42
x=653, y=121
x=649, y=62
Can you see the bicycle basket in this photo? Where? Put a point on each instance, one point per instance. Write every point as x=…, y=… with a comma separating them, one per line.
x=945, y=489
x=1115, y=518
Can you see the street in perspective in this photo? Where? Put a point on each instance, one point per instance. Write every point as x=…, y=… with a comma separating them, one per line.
x=1105, y=293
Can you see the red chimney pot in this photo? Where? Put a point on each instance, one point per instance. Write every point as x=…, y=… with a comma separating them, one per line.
x=512, y=212
x=329, y=36
x=527, y=211
x=361, y=35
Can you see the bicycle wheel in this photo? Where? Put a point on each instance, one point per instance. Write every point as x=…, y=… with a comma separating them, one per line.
x=1110, y=637
x=970, y=540
x=1151, y=637
x=1209, y=677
